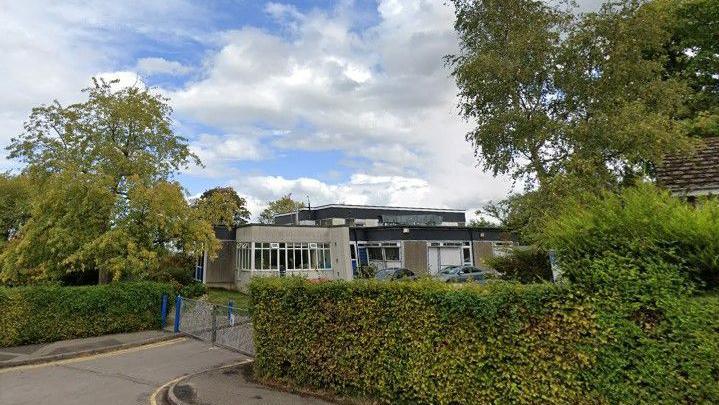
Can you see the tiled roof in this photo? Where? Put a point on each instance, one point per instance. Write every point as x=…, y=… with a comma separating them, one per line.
x=692, y=173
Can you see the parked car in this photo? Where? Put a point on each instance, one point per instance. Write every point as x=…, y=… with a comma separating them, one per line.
x=394, y=273
x=461, y=274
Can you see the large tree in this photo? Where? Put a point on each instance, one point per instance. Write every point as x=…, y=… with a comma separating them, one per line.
x=574, y=102
x=15, y=198
x=551, y=92
x=280, y=206
x=223, y=206
x=108, y=203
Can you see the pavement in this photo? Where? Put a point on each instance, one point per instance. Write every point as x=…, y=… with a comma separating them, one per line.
x=231, y=386
x=128, y=376
x=19, y=355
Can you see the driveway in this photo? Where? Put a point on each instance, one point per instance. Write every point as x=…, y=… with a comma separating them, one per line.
x=124, y=377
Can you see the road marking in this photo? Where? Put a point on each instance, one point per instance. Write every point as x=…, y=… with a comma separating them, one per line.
x=93, y=356
x=153, y=397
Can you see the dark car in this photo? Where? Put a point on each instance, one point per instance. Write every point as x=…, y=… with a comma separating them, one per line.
x=394, y=273
x=461, y=274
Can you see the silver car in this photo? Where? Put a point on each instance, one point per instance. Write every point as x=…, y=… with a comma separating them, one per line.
x=461, y=274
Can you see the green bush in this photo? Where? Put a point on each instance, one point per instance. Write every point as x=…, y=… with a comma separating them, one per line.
x=642, y=223
x=192, y=290
x=50, y=313
x=523, y=265
x=427, y=343
x=424, y=342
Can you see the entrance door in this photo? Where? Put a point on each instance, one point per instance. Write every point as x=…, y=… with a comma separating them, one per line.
x=450, y=256
x=433, y=260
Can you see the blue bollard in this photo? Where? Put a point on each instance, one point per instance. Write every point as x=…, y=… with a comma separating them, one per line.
x=163, y=310
x=230, y=306
x=178, y=307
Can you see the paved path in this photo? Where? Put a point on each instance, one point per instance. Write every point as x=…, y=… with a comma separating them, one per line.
x=230, y=386
x=124, y=377
x=43, y=350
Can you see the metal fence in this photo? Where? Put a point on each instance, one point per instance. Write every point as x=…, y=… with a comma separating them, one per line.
x=221, y=325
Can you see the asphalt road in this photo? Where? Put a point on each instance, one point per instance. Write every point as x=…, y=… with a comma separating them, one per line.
x=123, y=377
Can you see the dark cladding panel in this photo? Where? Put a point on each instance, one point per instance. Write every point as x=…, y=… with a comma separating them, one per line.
x=377, y=213
x=377, y=234
x=224, y=233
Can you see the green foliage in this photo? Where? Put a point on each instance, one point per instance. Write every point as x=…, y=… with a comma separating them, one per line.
x=555, y=92
x=428, y=342
x=108, y=203
x=50, y=313
x=15, y=196
x=282, y=206
x=223, y=206
x=193, y=289
x=645, y=227
x=366, y=271
x=523, y=265
x=424, y=342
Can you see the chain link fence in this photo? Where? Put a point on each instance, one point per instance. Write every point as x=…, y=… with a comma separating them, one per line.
x=221, y=325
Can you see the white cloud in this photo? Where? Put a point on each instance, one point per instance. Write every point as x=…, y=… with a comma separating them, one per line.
x=379, y=93
x=382, y=94
x=152, y=66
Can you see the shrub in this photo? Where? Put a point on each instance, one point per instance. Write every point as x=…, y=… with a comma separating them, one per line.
x=428, y=342
x=192, y=290
x=424, y=342
x=523, y=265
x=50, y=313
x=642, y=223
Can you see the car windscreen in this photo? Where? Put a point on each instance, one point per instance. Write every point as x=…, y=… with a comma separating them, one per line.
x=450, y=270
x=383, y=274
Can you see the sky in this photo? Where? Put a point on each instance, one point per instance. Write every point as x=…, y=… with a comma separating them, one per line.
x=332, y=101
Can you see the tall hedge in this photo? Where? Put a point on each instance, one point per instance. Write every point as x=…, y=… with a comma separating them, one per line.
x=50, y=313
x=433, y=343
x=424, y=342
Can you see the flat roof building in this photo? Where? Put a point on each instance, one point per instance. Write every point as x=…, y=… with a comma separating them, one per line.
x=334, y=241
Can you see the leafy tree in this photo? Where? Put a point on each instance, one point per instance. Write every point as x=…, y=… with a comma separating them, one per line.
x=281, y=206
x=223, y=206
x=15, y=196
x=552, y=93
x=693, y=56
x=108, y=203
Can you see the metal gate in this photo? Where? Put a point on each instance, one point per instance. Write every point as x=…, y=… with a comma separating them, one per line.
x=221, y=325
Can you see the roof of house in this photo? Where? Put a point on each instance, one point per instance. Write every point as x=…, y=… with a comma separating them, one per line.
x=695, y=173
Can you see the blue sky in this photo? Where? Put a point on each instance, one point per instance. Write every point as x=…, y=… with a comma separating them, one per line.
x=338, y=101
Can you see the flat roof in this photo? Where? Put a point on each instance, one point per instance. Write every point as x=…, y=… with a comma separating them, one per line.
x=375, y=207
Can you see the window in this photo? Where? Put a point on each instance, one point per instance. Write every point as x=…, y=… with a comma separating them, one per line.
x=467, y=255
x=391, y=253
x=374, y=253
x=244, y=253
x=291, y=256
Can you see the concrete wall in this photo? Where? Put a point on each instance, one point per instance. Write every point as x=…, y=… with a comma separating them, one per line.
x=337, y=237
x=482, y=250
x=415, y=256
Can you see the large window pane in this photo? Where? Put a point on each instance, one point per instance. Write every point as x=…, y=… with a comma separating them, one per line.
x=273, y=258
x=391, y=253
x=258, y=258
x=305, y=257
x=283, y=261
x=327, y=259
x=298, y=258
x=374, y=253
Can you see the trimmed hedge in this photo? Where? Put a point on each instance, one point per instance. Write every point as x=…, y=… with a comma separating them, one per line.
x=426, y=342
x=50, y=313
